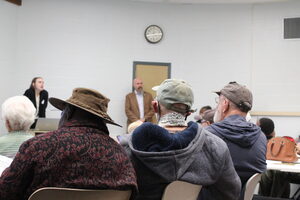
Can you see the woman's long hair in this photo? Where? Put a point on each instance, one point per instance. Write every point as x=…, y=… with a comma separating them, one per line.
x=33, y=81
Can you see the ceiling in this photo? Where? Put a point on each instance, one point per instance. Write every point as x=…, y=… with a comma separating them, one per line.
x=210, y=1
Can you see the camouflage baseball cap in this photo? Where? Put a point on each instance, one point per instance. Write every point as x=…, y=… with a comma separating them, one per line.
x=172, y=91
x=238, y=94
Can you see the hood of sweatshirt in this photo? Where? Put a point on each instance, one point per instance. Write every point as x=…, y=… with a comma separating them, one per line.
x=167, y=154
x=236, y=129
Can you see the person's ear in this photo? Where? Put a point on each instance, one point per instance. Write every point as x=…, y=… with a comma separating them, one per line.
x=225, y=105
x=155, y=106
x=7, y=124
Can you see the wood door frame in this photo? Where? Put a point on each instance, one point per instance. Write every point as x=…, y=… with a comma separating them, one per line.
x=165, y=64
x=17, y=2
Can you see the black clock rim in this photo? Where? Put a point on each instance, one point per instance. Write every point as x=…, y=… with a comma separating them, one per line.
x=162, y=34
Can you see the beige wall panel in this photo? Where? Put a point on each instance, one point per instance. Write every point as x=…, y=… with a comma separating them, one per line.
x=151, y=75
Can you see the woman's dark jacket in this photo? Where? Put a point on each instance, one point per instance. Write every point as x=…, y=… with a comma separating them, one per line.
x=43, y=100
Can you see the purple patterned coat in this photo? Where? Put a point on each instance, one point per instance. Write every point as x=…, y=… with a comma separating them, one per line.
x=78, y=155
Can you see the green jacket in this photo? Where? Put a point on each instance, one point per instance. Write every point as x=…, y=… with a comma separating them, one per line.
x=10, y=143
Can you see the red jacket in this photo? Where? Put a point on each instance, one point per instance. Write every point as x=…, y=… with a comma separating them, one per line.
x=78, y=155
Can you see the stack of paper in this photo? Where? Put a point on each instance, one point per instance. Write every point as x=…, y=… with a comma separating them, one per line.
x=4, y=163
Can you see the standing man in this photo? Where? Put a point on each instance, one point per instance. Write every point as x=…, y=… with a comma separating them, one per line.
x=138, y=104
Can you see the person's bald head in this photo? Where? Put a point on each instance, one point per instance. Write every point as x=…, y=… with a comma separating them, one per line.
x=138, y=84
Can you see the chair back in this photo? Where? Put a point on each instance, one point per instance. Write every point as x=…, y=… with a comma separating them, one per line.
x=250, y=186
x=179, y=190
x=50, y=193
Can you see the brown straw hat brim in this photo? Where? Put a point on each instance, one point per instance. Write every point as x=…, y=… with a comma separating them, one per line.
x=61, y=104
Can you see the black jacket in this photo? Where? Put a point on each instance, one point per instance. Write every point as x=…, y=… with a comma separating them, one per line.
x=43, y=100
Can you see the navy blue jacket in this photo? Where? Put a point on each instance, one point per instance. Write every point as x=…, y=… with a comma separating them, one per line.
x=246, y=142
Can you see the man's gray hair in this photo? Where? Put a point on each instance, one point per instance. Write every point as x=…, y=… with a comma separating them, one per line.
x=19, y=111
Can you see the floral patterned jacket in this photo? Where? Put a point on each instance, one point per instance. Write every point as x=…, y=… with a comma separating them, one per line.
x=78, y=155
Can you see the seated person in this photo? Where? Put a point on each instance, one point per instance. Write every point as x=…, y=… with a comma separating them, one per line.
x=208, y=118
x=80, y=154
x=246, y=142
x=199, y=117
x=123, y=139
x=18, y=113
x=274, y=183
x=133, y=126
x=174, y=150
x=267, y=127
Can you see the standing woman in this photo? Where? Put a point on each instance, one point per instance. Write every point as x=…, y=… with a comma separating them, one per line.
x=38, y=96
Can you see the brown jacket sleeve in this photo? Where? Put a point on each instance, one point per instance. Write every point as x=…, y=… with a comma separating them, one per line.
x=131, y=112
x=148, y=109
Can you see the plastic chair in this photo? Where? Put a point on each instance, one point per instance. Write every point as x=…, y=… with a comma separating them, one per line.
x=250, y=186
x=180, y=190
x=50, y=193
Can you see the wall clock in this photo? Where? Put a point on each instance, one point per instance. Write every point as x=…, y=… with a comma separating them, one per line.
x=153, y=34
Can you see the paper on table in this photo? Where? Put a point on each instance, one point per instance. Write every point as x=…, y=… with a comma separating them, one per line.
x=4, y=163
x=297, y=162
x=280, y=162
x=286, y=167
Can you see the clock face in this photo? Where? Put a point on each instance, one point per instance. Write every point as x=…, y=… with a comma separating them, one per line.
x=153, y=34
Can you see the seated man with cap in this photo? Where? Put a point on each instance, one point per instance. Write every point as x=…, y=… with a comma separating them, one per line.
x=245, y=140
x=80, y=154
x=174, y=150
x=208, y=118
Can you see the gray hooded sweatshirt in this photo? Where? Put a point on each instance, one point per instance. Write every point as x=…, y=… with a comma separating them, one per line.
x=193, y=155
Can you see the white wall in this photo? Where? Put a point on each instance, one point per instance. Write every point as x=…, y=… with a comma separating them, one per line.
x=275, y=59
x=275, y=77
x=8, y=38
x=93, y=43
x=284, y=126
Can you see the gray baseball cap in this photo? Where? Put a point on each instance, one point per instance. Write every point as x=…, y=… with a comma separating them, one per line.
x=172, y=91
x=239, y=95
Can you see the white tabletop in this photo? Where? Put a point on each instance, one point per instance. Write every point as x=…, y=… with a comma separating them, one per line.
x=285, y=167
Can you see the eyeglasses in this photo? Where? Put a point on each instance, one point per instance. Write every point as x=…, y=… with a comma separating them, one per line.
x=218, y=99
